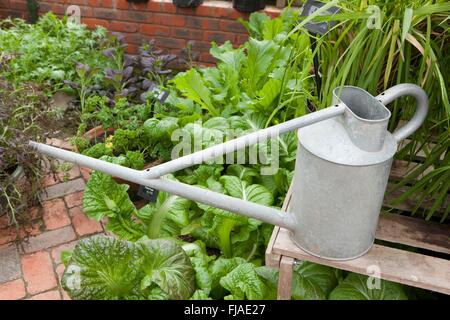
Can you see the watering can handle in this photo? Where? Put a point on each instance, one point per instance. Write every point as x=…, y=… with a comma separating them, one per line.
x=407, y=89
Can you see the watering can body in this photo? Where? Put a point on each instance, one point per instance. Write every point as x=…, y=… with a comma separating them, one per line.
x=342, y=170
x=341, y=174
x=344, y=156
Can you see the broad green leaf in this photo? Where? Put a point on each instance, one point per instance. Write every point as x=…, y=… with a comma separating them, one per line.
x=355, y=287
x=243, y=173
x=156, y=293
x=191, y=84
x=272, y=29
x=203, y=137
x=214, y=185
x=104, y=197
x=166, y=217
x=256, y=24
x=200, y=295
x=231, y=58
x=157, y=129
x=313, y=281
x=255, y=193
x=221, y=267
x=166, y=264
x=204, y=172
x=269, y=92
x=103, y=268
x=260, y=55
x=287, y=144
x=217, y=123
x=270, y=276
x=244, y=283
x=66, y=255
x=200, y=261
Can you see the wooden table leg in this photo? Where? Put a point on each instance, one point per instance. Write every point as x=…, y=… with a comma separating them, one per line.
x=285, y=278
x=273, y=261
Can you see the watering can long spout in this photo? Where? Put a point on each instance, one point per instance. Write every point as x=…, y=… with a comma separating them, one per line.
x=151, y=177
x=360, y=125
x=252, y=210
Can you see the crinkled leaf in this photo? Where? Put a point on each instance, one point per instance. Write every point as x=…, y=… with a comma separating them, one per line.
x=156, y=293
x=102, y=268
x=66, y=255
x=103, y=197
x=167, y=265
x=244, y=283
x=200, y=261
x=270, y=276
x=200, y=295
x=221, y=267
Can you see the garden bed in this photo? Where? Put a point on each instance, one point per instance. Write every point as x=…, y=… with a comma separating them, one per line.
x=143, y=109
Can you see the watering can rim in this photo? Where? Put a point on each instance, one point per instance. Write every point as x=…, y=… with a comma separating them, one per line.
x=350, y=110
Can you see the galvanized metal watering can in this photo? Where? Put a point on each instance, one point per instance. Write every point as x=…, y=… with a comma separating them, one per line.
x=344, y=157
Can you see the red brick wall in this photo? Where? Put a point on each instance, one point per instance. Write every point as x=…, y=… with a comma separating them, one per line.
x=173, y=28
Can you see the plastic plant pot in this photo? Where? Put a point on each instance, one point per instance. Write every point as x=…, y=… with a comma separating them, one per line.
x=249, y=5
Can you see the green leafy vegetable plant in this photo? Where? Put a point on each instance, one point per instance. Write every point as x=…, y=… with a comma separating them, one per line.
x=109, y=269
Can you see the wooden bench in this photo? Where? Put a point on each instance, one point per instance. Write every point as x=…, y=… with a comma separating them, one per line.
x=421, y=270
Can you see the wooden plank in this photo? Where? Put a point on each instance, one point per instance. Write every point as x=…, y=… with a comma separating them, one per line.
x=420, y=155
x=402, y=168
x=285, y=278
x=414, y=232
x=395, y=265
x=271, y=259
x=409, y=204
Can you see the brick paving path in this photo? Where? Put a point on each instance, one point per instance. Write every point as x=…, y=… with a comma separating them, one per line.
x=30, y=265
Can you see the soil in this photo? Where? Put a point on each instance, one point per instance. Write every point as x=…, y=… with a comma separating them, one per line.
x=66, y=127
x=190, y=239
x=186, y=238
x=66, y=124
x=212, y=252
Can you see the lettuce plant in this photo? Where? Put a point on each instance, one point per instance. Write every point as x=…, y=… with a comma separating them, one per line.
x=354, y=287
x=103, y=197
x=109, y=269
x=47, y=52
x=268, y=75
